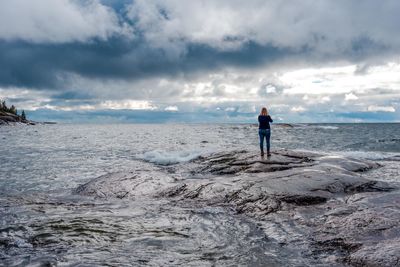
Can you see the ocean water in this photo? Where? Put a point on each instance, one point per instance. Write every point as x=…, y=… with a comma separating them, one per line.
x=44, y=223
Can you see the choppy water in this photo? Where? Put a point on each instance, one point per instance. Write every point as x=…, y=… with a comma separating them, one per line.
x=43, y=222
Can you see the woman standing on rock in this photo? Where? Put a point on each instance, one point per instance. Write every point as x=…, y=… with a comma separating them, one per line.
x=264, y=130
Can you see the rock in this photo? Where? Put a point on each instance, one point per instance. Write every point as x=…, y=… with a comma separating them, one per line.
x=284, y=125
x=369, y=233
x=319, y=204
x=124, y=185
x=8, y=118
x=349, y=164
x=300, y=178
x=243, y=179
x=383, y=254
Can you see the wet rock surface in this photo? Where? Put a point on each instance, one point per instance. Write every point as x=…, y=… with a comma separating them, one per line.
x=321, y=206
x=7, y=118
x=366, y=228
x=125, y=185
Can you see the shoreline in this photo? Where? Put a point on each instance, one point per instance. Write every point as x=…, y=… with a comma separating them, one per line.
x=10, y=119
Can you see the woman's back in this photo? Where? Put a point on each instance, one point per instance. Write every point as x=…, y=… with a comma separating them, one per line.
x=264, y=121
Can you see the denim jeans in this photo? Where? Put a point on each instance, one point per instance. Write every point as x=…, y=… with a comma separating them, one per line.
x=267, y=134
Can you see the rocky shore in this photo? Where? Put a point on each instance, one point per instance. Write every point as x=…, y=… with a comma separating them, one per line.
x=7, y=118
x=321, y=206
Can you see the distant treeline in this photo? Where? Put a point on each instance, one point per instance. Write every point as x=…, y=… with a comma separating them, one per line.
x=12, y=109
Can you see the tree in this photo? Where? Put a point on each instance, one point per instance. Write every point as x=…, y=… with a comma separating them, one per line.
x=23, y=116
x=13, y=110
x=3, y=106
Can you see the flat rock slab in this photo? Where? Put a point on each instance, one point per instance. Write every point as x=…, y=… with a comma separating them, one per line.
x=257, y=184
x=340, y=212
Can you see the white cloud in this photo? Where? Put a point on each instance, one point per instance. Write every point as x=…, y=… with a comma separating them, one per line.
x=381, y=108
x=325, y=99
x=350, y=96
x=270, y=89
x=171, y=108
x=69, y=108
x=327, y=26
x=298, y=109
x=247, y=108
x=340, y=79
x=127, y=104
x=194, y=93
x=230, y=109
x=222, y=24
x=109, y=104
x=58, y=21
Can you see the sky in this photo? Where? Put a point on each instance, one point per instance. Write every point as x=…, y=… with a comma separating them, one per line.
x=106, y=61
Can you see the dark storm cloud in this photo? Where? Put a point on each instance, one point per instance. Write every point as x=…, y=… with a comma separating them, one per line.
x=43, y=65
x=70, y=95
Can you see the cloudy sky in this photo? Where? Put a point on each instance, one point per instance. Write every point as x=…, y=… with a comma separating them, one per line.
x=201, y=61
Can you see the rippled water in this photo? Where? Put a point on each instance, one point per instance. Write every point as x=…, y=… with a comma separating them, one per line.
x=43, y=222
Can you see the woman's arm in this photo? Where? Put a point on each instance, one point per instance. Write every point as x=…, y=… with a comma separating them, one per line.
x=270, y=119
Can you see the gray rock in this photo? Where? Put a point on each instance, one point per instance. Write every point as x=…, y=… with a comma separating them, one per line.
x=319, y=204
x=258, y=187
x=125, y=185
x=284, y=125
x=9, y=118
x=369, y=232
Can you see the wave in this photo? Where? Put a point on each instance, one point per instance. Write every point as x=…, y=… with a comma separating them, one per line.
x=383, y=145
x=327, y=127
x=370, y=155
x=162, y=157
x=300, y=125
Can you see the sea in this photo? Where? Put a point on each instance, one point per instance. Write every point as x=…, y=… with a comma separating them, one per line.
x=44, y=222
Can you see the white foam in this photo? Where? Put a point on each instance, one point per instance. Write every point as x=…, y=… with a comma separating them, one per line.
x=168, y=157
x=327, y=127
x=371, y=155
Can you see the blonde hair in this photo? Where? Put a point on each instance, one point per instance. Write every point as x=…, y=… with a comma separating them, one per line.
x=264, y=112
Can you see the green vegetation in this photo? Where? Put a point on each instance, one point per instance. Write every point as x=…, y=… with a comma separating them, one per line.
x=13, y=110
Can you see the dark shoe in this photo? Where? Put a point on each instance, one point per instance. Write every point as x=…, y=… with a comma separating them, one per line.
x=262, y=153
x=268, y=154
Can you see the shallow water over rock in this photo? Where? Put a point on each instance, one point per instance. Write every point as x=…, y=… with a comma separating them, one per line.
x=304, y=202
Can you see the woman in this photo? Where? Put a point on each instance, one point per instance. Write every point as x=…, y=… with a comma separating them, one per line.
x=264, y=130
